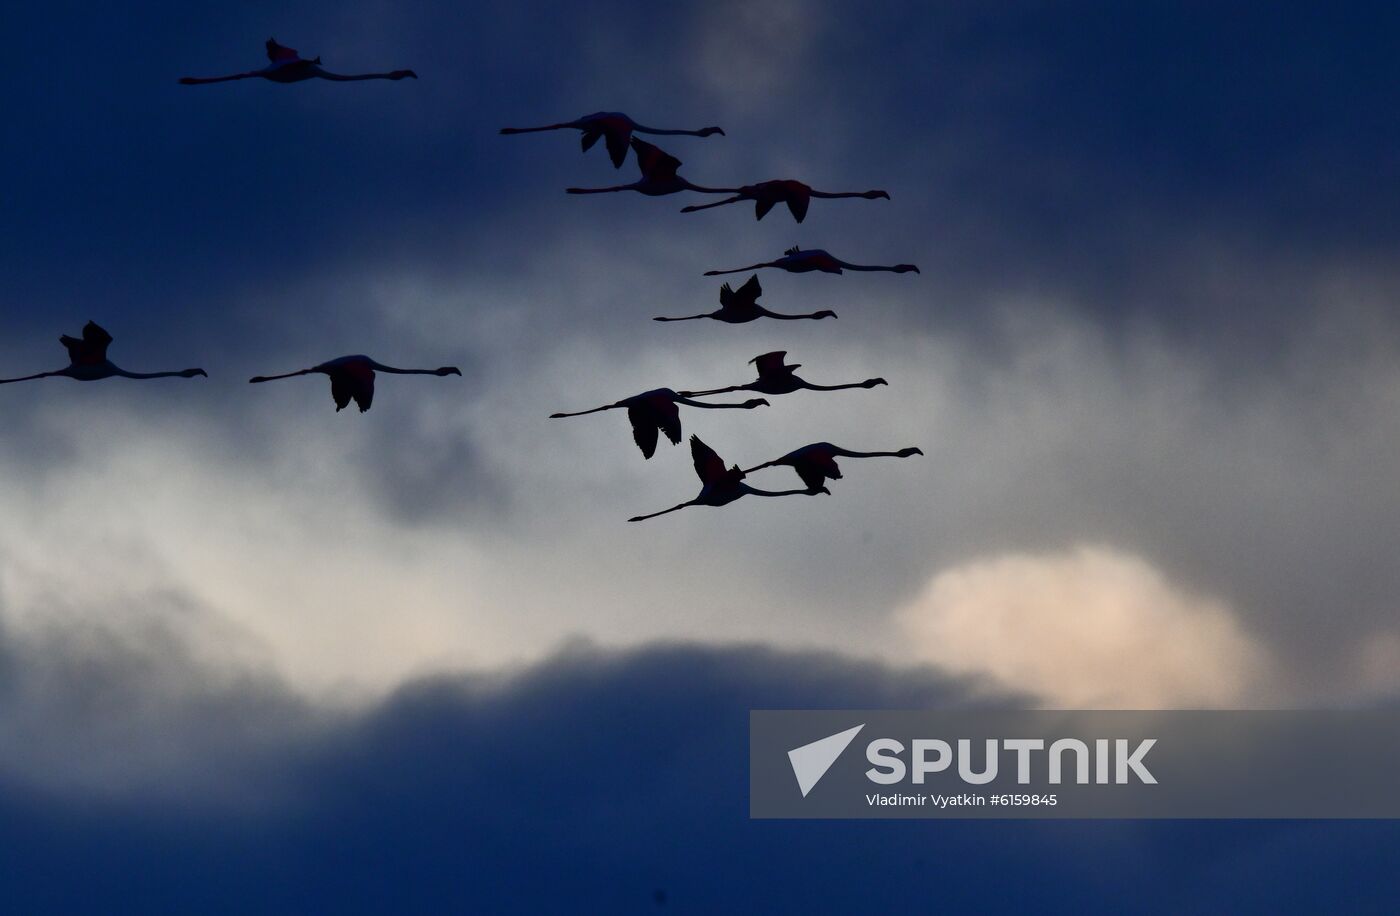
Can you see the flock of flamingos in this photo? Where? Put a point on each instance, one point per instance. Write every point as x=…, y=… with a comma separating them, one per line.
x=650, y=413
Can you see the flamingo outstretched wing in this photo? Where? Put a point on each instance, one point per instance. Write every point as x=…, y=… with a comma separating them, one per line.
x=361, y=381
x=342, y=389
x=617, y=148
x=653, y=160
x=280, y=54
x=340, y=392
x=364, y=396
x=746, y=295
x=709, y=466
x=669, y=419
x=771, y=363
x=644, y=429
x=91, y=348
x=95, y=335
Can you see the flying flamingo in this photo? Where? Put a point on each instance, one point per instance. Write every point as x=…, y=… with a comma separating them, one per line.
x=816, y=463
x=658, y=175
x=721, y=485
x=88, y=362
x=290, y=67
x=775, y=377
x=797, y=261
x=614, y=127
x=798, y=197
x=657, y=411
x=741, y=306
x=353, y=377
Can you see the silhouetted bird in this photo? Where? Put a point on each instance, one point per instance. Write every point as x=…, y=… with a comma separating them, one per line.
x=656, y=411
x=797, y=261
x=658, y=175
x=290, y=67
x=88, y=362
x=614, y=127
x=816, y=463
x=739, y=306
x=768, y=194
x=776, y=377
x=353, y=377
x=721, y=485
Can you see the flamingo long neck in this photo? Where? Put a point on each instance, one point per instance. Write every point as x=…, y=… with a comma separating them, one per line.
x=122, y=373
x=686, y=317
x=380, y=367
x=812, y=387
x=847, y=453
x=344, y=78
x=835, y=194
x=861, y=266
x=701, y=394
x=757, y=492
x=637, y=128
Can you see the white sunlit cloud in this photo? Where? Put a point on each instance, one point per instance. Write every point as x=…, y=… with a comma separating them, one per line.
x=1093, y=628
x=1087, y=629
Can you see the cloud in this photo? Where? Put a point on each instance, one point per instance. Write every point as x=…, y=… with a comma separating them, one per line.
x=146, y=695
x=589, y=783
x=751, y=52
x=1093, y=628
x=1376, y=670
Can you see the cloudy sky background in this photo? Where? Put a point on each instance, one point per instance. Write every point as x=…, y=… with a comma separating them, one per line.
x=1151, y=358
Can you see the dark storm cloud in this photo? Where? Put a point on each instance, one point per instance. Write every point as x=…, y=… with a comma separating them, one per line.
x=171, y=703
x=1070, y=150
x=594, y=780
x=1107, y=158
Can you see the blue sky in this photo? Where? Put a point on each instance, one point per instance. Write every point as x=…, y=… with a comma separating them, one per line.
x=1151, y=359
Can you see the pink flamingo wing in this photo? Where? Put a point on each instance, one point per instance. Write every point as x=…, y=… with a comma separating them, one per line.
x=654, y=160
x=280, y=54
x=91, y=349
x=644, y=429
x=709, y=466
x=770, y=363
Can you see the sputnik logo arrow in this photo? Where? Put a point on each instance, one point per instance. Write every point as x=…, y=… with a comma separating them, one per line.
x=811, y=761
